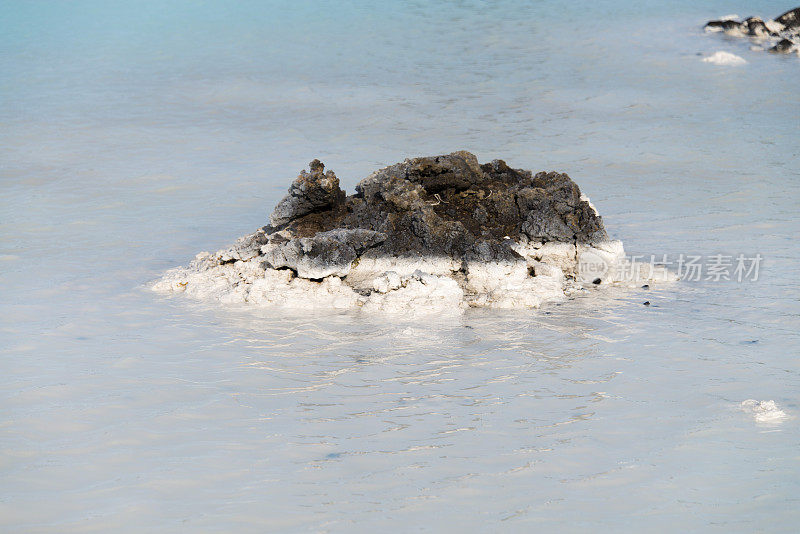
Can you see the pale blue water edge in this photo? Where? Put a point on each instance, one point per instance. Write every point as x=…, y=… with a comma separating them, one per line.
x=134, y=135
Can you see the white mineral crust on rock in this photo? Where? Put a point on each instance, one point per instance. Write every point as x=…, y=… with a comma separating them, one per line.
x=413, y=286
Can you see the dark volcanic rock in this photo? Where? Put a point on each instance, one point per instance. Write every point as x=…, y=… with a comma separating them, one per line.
x=786, y=28
x=725, y=25
x=311, y=192
x=756, y=27
x=447, y=205
x=325, y=254
x=790, y=19
x=784, y=46
x=429, y=235
x=752, y=26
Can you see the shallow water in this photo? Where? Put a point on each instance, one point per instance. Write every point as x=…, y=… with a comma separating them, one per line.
x=135, y=136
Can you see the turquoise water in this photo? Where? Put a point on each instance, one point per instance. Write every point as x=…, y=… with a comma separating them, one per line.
x=133, y=136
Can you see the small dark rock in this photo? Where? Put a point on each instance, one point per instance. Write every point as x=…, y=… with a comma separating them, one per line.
x=646, y=286
x=597, y=281
x=646, y=303
x=755, y=27
x=725, y=25
x=784, y=46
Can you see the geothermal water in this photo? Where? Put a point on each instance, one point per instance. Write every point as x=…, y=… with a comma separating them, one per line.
x=134, y=135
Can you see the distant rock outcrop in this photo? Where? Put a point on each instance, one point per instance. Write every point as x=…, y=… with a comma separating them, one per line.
x=780, y=35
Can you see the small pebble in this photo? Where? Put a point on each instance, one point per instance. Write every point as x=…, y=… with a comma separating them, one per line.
x=646, y=286
x=647, y=303
x=596, y=281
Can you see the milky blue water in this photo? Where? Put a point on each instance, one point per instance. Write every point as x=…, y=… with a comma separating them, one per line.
x=134, y=135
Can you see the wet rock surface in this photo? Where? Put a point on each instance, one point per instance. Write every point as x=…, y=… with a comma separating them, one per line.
x=790, y=19
x=432, y=233
x=784, y=46
x=324, y=254
x=781, y=35
x=443, y=205
x=311, y=192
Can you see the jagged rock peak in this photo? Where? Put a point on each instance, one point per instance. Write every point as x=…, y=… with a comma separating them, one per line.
x=441, y=205
x=310, y=192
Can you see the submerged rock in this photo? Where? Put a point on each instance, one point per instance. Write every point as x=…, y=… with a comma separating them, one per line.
x=430, y=232
x=784, y=46
x=781, y=34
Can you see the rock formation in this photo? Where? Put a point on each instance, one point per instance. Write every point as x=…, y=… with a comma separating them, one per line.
x=781, y=35
x=430, y=232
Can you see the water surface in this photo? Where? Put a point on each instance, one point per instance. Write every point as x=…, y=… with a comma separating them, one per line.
x=133, y=136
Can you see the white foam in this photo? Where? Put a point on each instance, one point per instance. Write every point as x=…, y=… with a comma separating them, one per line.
x=730, y=17
x=764, y=411
x=724, y=58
